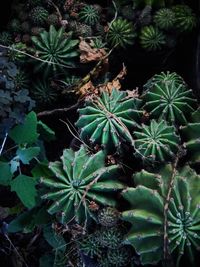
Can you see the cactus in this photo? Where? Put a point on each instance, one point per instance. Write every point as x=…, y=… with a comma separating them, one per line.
x=90, y=246
x=111, y=237
x=151, y=38
x=56, y=50
x=21, y=80
x=35, y=31
x=185, y=19
x=191, y=136
x=26, y=27
x=107, y=120
x=38, y=16
x=164, y=18
x=42, y=93
x=83, y=30
x=121, y=33
x=78, y=179
x=53, y=19
x=14, y=53
x=89, y=15
x=108, y=216
x=157, y=142
x=5, y=38
x=169, y=100
x=150, y=228
x=121, y=257
x=14, y=26
x=164, y=78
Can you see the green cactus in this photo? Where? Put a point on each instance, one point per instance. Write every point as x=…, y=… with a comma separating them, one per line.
x=5, y=38
x=43, y=93
x=157, y=142
x=89, y=15
x=21, y=79
x=83, y=30
x=38, y=16
x=55, y=49
x=78, y=179
x=155, y=231
x=119, y=257
x=14, y=53
x=151, y=38
x=53, y=19
x=185, y=19
x=164, y=78
x=169, y=100
x=111, y=237
x=164, y=18
x=108, y=216
x=191, y=136
x=90, y=246
x=108, y=119
x=121, y=33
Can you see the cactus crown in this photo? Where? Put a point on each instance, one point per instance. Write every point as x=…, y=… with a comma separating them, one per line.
x=151, y=38
x=55, y=49
x=89, y=15
x=38, y=15
x=169, y=100
x=78, y=179
x=164, y=18
x=121, y=33
x=156, y=142
x=181, y=227
x=108, y=216
x=106, y=120
x=43, y=93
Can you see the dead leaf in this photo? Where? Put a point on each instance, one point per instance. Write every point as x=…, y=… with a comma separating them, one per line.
x=89, y=54
x=86, y=89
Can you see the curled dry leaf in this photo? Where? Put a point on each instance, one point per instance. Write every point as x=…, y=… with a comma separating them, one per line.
x=89, y=54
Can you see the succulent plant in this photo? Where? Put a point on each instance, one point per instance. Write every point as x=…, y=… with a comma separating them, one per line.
x=185, y=19
x=119, y=257
x=83, y=30
x=191, y=136
x=164, y=18
x=111, y=237
x=56, y=50
x=25, y=27
x=5, y=38
x=43, y=93
x=98, y=43
x=53, y=19
x=108, y=216
x=108, y=119
x=89, y=15
x=121, y=33
x=21, y=79
x=35, y=31
x=90, y=245
x=14, y=26
x=151, y=38
x=14, y=53
x=155, y=233
x=164, y=78
x=170, y=101
x=157, y=142
x=38, y=16
x=78, y=179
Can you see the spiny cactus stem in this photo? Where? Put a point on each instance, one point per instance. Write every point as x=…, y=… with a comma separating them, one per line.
x=166, y=208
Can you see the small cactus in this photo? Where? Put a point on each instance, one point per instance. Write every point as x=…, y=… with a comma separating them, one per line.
x=5, y=38
x=90, y=246
x=164, y=18
x=43, y=94
x=120, y=257
x=78, y=179
x=89, y=15
x=151, y=38
x=147, y=214
x=157, y=142
x=38, y=16
x=121, y=33
x=108, y=119
x=111, y=237
x=108, y=216
x=53, y=19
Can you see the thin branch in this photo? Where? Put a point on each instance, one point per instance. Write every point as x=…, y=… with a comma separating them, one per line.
x=3, y=144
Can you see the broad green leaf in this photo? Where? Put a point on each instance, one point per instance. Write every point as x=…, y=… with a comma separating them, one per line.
x=24, y=186
x=27, y=154
x=5, y=173
x=46, y=133
x=25, y=133
x=41, y=170
x=14, y=164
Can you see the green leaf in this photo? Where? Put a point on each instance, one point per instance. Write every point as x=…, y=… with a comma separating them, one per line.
x=27, y=154
x=5, y=173
x=25, y=133
x=24, y=186
x=14, y=164
x=46, y=133
x=54, y=240
x=41, y=170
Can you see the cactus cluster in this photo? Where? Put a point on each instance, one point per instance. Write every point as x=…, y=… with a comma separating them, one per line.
x=149, y=225
x=39, y=15
x=89, y=15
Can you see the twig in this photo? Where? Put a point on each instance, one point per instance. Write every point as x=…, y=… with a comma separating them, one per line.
x=36, y=58
x=57, y=111
x=3, y=144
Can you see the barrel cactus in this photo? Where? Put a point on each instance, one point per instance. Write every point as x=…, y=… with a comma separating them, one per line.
x=108, y=216
x=89, y=15
x=170, y=100
x=90, y=245
x=108, y=119
x=119, y=257
x=78, y=179
x=55, y=50
x=43, y=93
x=151, y=38
x=111, y=237
x=157, y=226
x=185, y=19
x=38, y=16
x=164, y=18
x=121, y=33
x=157, y=142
